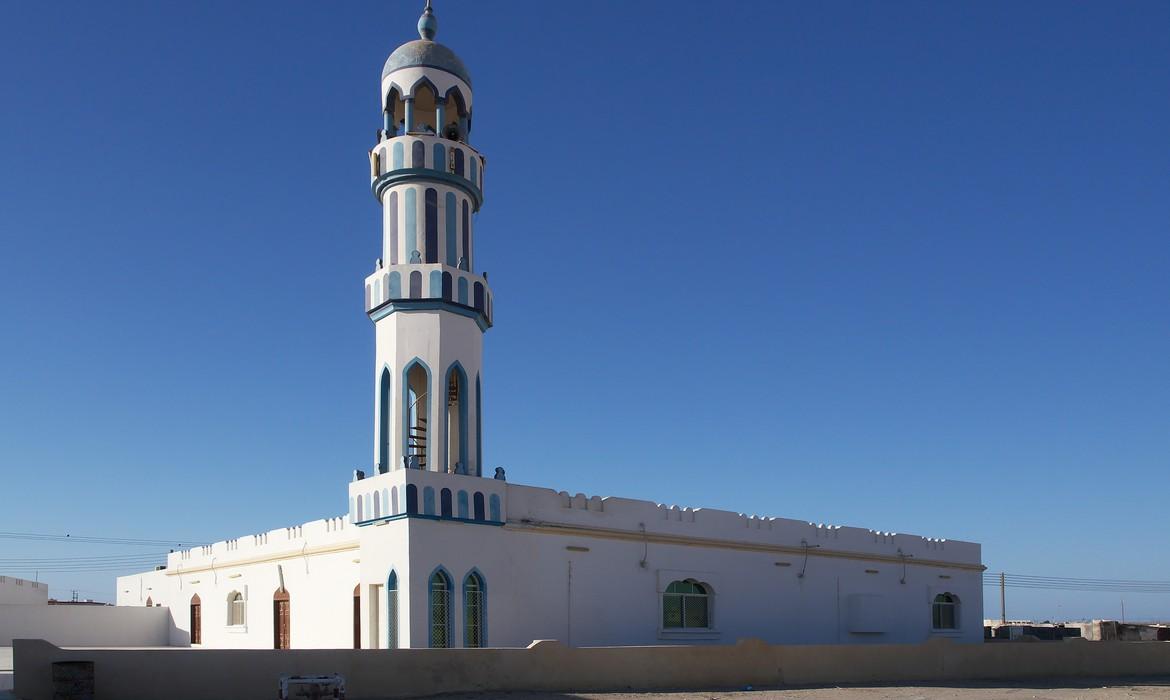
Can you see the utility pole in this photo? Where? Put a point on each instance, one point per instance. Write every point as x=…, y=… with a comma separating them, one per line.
x=1002, y=599
x=1123, y=611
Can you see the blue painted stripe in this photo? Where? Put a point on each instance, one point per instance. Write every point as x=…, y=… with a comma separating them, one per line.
x=451, y=213
x=411, y=222
x=407, y=305
x=418, y=175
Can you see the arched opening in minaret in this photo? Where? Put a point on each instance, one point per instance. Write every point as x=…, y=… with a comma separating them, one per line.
x=384, y=422
x=417, y=402
x=455, y=116
x=424, y=110
x=393, y=114
x=456, y=420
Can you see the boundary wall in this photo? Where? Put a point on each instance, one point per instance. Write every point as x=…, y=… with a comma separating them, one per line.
x=86, y=625
x=178, y=674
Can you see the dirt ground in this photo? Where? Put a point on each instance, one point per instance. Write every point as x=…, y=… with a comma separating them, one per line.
x=1072, y=689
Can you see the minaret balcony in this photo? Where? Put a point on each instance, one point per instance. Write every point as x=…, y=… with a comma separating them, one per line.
x=424, y=286
x=426, y=157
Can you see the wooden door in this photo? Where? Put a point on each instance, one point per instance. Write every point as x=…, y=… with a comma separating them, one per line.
x=281, y=630
x=196, y=620
x=357, y=616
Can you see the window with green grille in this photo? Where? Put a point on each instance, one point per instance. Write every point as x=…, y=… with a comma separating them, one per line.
x=686, y=605
x=473, y=611
x=392, y=611
x=440, y=595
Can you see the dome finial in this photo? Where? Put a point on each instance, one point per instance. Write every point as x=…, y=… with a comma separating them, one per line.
x=427, y=24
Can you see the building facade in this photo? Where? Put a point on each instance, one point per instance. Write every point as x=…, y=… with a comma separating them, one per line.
x=434, y=552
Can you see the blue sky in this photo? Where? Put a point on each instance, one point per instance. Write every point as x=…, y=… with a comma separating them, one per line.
x=893, y=265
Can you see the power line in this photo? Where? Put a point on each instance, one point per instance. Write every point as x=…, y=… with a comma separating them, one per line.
x=1064, y=583
x=93, y=539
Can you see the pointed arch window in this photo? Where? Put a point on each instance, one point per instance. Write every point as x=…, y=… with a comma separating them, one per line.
x=196, y=620
x=944, y=612
x=392, y=611
x=439, y=599
x=237, y=612
x=686, y=605
x=474, y=607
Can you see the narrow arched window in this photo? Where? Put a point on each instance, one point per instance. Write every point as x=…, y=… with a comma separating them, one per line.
x=436, y=285
x=478, y=291
x=474, y=171
x=392, y=213
x=149, y=602
x=411, y=220
x=394, y=288
x=431, y=221
x=456, y=423
x=945, y=612
x=418, y=155
x=445, y=503
x=447, y=284
x=395, y=508
x=416, y=285
x=463, y=291
x=392, y=611
x=474, y=603
x=461, y=504
x=411, y=499
x=237, y=613
x=686, y=605
x=477, y=501
x=428, y=500
x=397, y=155
x=494, y=507
x=439, y=594
x=438, y=157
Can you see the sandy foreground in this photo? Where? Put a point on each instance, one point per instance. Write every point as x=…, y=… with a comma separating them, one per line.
x=1071, y=689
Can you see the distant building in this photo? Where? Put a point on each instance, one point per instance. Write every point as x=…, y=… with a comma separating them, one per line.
x=434, y=552
x=19, y=591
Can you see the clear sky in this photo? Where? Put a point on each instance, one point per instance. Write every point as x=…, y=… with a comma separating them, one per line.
x=896, y=265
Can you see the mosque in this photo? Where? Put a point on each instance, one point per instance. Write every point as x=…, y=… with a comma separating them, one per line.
x=434, y=552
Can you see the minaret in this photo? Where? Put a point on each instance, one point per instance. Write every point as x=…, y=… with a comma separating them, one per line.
x=429, y=306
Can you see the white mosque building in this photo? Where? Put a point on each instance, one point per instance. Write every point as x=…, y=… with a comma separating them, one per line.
x=435, y=553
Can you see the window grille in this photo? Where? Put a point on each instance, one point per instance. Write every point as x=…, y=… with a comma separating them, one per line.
x=236, y=610
x=392, y=612
x=473, y=609
x=686, y=605
x=440, y=611
x=944, y=612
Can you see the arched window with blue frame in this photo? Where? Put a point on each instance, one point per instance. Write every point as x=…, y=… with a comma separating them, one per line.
x=458, y=161
x=456, y=419
x=384, y=421
x=466, y=220
x=463, y=291
x=478, y=504
x=397, y=157
x=436, y=285
x=494, y=508
x=411, y=220
x=461, y=504
x=395, y=286
x=411, y=499
x=474, y=611
x=445, y=503
x=428, y=500
x=447, y=282
x=416, y=285
x=439, y=157
x=416, y=381
x=418, y=155
x=392, y=611
x=439, y=609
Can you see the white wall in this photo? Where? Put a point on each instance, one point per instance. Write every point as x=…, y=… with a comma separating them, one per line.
x=18, y=591
x=85, y=625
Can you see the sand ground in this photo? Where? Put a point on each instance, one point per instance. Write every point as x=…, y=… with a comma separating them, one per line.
x=1056, y=689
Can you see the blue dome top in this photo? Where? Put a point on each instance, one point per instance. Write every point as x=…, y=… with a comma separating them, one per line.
x=426, y=54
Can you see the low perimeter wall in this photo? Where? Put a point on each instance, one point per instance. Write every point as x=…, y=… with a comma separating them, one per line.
x=86, y=625
x=180, y=673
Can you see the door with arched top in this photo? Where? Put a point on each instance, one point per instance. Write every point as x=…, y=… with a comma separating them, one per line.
x=196, y=620
x=281, y=629
x=357, y=616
